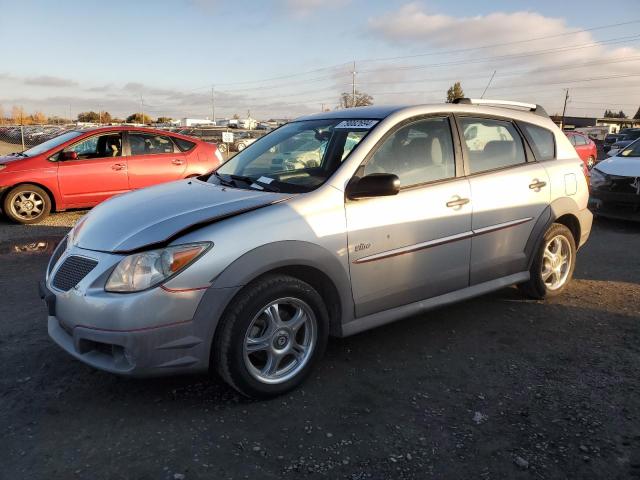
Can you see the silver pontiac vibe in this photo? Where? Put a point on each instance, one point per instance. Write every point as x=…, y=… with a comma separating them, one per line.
x=330, y=225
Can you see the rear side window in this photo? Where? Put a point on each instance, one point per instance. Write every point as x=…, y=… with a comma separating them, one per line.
x=541, y=140
x=146, y=144
x=580, y=140
x=491, y=144
x=184, y=145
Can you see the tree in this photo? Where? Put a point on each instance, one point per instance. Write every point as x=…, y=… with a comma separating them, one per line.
x=163, y=119
x=1, y=115
x=137, y=118
x=361, y=99
x=17, y=115
x=612, y=114
x=637, y=115
x=94, y=117
x=455, y=91
x=236, y=116
x=39, y=118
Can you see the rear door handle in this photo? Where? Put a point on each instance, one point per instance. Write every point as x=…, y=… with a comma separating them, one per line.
x=537, y=185
x=457, y=202
x=177, y=161
x=118, y=166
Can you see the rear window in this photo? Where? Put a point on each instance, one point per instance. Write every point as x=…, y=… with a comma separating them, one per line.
x=541, y=140
x=184, y=145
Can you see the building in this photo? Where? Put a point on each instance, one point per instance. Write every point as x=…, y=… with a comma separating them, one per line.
x=192, y=122
x=613, y=125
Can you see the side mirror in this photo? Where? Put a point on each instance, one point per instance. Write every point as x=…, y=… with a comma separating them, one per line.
x=374, y=185
x=69, y=156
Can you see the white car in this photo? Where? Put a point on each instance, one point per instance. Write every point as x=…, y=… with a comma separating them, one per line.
x=615, y=184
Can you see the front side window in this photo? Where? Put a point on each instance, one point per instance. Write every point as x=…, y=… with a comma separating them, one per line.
x=98, y=146
x=297, y=157
x=420, y=152
x=632, y=150
x=491, y=144
x=541, y=140
x=149, y=144
x=580, y=140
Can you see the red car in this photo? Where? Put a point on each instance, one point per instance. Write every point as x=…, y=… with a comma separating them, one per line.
x=586, y=148
x=80, y=169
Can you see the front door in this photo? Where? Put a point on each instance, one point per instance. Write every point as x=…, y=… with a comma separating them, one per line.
x=414, y=245
x=99, y=171
x=154, y=159
x=509, y=195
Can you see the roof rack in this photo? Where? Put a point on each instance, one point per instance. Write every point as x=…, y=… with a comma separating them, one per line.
x=503, y=103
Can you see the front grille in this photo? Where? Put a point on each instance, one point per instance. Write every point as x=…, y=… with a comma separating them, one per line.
x=62, y=246
x=624, y=185
x=72, y=270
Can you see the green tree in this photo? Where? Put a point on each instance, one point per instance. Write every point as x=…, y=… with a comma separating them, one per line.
x=455, y=91
x=163, y=119
x=612, y=114
x=360, y=99
x=137, y=118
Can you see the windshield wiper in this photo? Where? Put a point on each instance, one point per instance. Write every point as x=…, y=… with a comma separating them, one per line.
x=223, y=180
x=19, y=154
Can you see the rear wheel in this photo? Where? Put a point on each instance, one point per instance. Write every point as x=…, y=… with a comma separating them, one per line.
x=222, y=147
x=552, y=268
x=241, y=146
x=27, y=204
x=271, y=337
x=591, y=161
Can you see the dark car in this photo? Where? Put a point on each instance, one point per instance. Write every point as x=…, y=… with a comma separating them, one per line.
x=626, y=137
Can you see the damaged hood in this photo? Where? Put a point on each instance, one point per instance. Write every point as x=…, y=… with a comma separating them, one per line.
x=620, y=166
x=155, y=215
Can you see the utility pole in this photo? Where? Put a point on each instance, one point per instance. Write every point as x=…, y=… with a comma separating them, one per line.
x=353, y=85
x=322, y=107
x=213, y=104
x=142, y=109
x=564, y=109
x=70, y=119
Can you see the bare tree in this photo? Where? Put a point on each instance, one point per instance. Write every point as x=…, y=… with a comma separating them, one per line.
x=360, y=99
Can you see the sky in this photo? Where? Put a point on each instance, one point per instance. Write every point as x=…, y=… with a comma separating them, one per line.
x=285, y=58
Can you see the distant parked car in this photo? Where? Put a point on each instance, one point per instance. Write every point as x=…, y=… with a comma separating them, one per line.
x=627, y=137
x=80, y=169
x=615, y=185
x=586, y=148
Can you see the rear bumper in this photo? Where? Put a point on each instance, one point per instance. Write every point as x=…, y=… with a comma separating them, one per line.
x=585, y=217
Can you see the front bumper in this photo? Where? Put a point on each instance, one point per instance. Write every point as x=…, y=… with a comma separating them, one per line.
x=615, y=205
x=150, y=333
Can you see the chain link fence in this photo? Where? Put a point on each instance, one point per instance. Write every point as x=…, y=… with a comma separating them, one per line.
x=17, y=138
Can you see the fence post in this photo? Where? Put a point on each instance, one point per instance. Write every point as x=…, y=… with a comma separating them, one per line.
x=22, y=136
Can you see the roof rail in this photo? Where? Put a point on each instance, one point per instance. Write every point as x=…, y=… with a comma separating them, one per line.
x=503, y=103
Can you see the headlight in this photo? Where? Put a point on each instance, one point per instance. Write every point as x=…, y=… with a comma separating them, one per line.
x=598, y=178
x=141, y=271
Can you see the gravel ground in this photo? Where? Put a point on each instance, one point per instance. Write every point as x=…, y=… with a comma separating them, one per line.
x=496, y=387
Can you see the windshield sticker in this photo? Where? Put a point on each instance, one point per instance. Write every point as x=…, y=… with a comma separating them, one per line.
x=265, y=180
x=351, y=124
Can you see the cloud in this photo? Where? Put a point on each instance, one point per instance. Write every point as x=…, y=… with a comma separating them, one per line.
x=49, y=81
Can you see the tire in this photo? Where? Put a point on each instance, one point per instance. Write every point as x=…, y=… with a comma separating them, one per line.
x=249, y=323
x=222, y=147
x=591, y=161
x=241, y=146
x=27, y=204
x=542, y=284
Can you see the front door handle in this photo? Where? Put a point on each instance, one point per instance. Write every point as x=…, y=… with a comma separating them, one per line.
x=177, y=161
x=457, y=202
x=118, y=166
x=537, y=185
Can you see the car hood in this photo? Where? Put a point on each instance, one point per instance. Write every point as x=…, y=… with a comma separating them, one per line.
x=620, y=166
x=155, y=215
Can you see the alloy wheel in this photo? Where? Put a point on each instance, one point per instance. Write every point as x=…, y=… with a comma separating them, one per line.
x=280, y=340
x=27, y=205
x=556, y=262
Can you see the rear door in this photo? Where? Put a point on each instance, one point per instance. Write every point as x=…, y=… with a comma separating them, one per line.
x=153, y=159
x=99, y=172
x=510, y=191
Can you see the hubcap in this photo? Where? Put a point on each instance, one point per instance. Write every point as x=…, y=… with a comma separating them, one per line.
x=280, y=340
x=556, y=262
x=27, y=205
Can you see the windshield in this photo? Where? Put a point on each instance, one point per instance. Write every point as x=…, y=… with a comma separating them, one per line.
x=632, y=150
x=52, y=143
x=297, y=157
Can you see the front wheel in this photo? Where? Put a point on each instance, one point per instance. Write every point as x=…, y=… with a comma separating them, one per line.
x=27, y=204
x=552, y=268
x=591, y=161
x=271, y=336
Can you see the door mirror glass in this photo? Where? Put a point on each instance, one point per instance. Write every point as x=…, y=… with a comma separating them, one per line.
x=374, y=185
x=69, y=155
